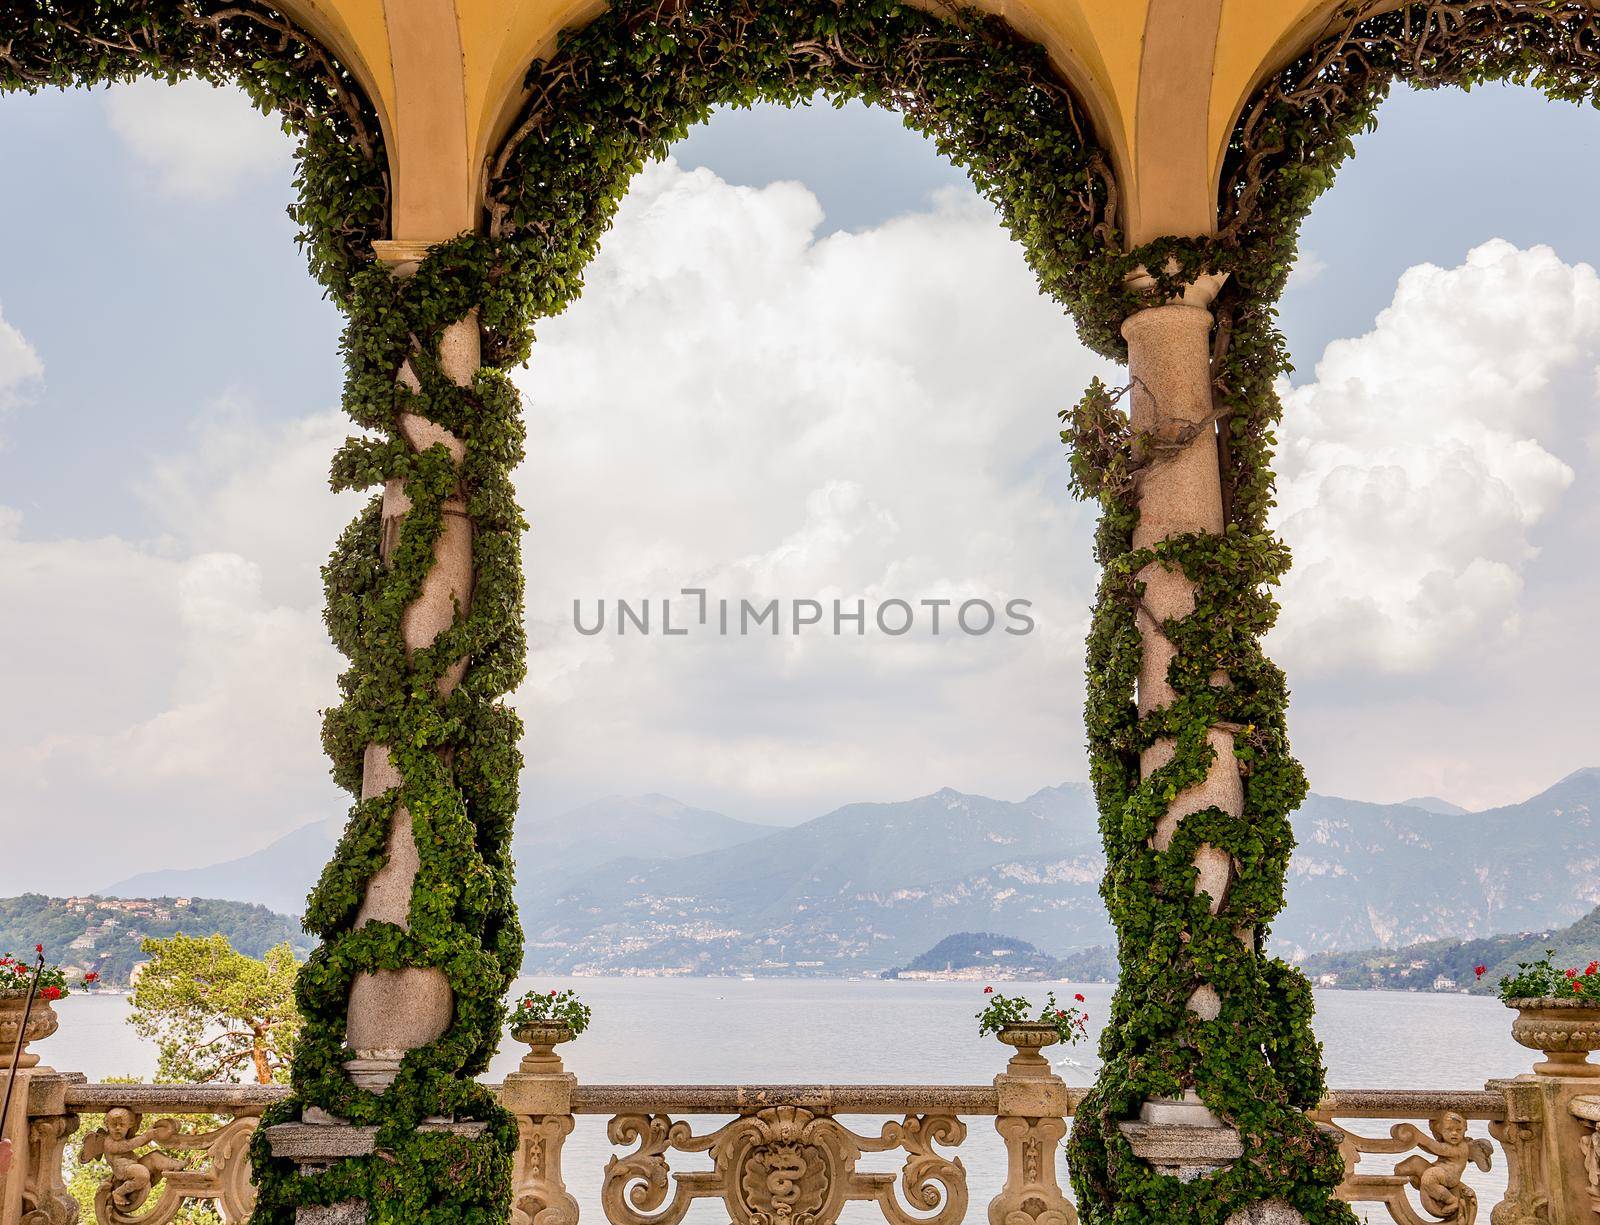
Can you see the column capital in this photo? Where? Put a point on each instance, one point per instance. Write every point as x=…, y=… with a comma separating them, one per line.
x=1200, y=292
x=398, y=251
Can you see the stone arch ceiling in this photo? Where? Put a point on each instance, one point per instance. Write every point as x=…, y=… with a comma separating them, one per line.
x=1163, y=79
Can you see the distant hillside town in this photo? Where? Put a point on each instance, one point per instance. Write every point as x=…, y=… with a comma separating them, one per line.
x=102, y=935
x=1452, y=965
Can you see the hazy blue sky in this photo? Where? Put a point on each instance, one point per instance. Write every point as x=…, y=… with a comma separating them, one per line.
x=808, y=365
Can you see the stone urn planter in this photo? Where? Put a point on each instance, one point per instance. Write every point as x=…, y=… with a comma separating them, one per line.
x=1028, y=1038
x=1564, y=1030
x=541, y=1038
x=42, y=1022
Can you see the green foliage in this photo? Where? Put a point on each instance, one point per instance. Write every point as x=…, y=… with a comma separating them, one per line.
x=215, y=1013
x=999, y=1010
x=1543, y=979
x=117, y=926
x=550, y=1008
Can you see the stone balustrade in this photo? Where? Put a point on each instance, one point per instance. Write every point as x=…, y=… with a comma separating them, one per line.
x=771, y=1153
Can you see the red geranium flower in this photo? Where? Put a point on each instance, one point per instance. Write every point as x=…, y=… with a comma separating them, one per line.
x=93, y=976
x=1079, y=998
x=1594, y=968
x=1480, y=971
x=38, y=948
x=50, y=993
x=988, y=990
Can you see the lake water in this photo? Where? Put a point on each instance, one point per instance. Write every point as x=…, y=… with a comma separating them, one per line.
x=688, y=1030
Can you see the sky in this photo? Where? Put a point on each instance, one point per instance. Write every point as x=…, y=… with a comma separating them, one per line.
x=808, y=365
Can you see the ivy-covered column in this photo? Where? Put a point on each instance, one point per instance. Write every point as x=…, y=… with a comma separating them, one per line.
x=1208, y=1061
x=1180, y=493
x=404, y=997
x=395, y=1011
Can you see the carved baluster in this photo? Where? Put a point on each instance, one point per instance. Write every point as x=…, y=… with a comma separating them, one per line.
x=229, y=1156
x=45, y=1198
x=540, y=1194
x=1521, y=1136
x=636, y=1184
x=935, y=1186
x=539, y=1093
x=1587, y=1111
x=1032, y=1121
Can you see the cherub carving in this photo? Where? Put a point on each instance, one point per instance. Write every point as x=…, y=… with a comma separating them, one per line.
x=133, y=1175
x=1438, y=1183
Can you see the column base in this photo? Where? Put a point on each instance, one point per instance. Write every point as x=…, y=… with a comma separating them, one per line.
x=373, y=1071
x=1183, y=1151
x=315, y=1144
x=1271, y=1212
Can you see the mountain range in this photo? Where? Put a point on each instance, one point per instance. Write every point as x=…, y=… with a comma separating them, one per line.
x=870, y=886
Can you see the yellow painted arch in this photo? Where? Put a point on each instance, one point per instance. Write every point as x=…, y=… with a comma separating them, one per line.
x=1164, y=82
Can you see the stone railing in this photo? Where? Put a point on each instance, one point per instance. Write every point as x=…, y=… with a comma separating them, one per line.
x=1529, y=1147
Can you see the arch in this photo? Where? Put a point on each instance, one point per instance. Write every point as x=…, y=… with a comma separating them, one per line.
x=627, y=85
x=285, y=66
x=1094, y=49
x=1293, y=131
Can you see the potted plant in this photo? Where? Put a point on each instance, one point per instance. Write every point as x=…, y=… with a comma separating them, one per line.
x=1009, y=1018
x=543, y=1020
x=16, y=980
x=1558, y=1013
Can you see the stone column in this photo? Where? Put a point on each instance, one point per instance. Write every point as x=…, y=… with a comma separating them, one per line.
x=1180, y=493
x=1169, y=365
x=394, y=1011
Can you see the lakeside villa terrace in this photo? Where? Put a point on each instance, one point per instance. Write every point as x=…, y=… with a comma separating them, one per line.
x=1154, y=158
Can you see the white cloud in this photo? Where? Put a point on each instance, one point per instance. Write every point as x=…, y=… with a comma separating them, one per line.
x=1308, y=267
x=197, y=140
x=738, y=405
x=20, y=365
x=1417, y=470
x=163, y=694
x=734, y=404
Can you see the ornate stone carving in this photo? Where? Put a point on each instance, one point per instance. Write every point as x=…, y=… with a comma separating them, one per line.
x=168, y=1165
x=1032, y=1195
x=539, y=1195
x=1521, y=1136
x=1587, y=1111
x=45, y=1198
x=1438, y=1182
x=784, y=1165
x=42, y=1022
x=1590, y=1146
x=1564, y=1030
